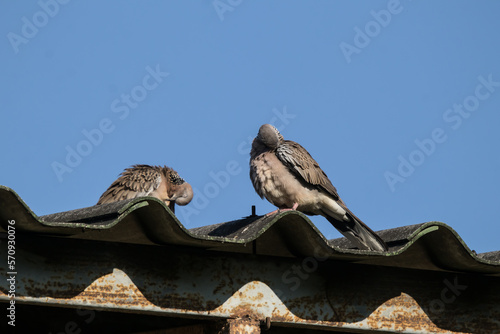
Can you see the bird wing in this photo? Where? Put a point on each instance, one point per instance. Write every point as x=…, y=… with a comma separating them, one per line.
x=300, y=162
x=136, y=181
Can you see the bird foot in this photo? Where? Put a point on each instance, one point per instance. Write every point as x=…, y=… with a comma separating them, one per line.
x=271, y=213
x=294, y=207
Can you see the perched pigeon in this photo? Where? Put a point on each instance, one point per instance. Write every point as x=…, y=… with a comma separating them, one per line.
x=143, y=180
x=285, y=174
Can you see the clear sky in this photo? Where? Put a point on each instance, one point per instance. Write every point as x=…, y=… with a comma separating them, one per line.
x=398, y=101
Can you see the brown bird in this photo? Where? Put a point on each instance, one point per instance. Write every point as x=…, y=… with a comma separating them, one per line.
x=143, y=180
x=285, y=174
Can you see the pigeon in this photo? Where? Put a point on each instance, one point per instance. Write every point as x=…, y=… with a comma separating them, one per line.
x=163, y=183
x=285, y=174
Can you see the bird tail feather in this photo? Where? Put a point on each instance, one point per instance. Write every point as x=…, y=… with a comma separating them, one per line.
x=359, y=233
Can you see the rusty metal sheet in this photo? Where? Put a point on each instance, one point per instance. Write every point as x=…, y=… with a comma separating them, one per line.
x=253, y=301
x=305, y=292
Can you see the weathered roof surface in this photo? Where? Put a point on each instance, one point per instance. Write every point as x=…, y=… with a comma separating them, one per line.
x=430, y=246
x=131, y=267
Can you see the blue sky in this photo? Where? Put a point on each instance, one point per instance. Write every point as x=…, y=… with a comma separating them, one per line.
x=398, y=101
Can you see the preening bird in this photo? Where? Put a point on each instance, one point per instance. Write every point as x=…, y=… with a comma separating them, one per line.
x=163, y=183
x=285, y=174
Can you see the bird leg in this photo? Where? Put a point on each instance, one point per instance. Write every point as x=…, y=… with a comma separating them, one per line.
x=294, y=207
x=279, y=210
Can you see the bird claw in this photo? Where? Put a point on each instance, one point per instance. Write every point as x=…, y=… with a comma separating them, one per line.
x=280, y=210
x=271, y=213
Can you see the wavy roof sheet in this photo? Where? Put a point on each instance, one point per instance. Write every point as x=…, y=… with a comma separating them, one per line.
x=427, y=246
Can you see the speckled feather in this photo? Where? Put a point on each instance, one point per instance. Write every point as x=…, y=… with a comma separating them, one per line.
x=285, y=174
x=298, y=160
x=163, y=183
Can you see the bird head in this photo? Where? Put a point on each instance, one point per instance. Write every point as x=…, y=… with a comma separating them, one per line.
x=269, y=136
x=180, y=191
x=183, y=194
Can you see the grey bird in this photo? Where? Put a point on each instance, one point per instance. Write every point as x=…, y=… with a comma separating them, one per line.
x=163, y=183
x=285, y=174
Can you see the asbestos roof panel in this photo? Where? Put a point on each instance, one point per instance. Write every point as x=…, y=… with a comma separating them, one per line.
x=146, y=220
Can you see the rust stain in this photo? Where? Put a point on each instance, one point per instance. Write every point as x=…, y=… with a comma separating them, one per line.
x=245, y=310
x=308, y=305
x=118, y=290
x=254, y=300
x=402, y=313
x=242, y=326
x=112, y=289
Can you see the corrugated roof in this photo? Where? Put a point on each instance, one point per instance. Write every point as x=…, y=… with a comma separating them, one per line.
x=136, y=257
x=429, y=246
